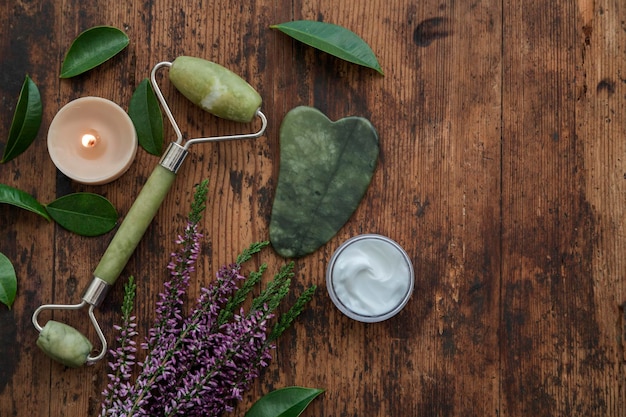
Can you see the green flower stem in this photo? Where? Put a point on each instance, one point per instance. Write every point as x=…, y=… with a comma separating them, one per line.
x=135, y=224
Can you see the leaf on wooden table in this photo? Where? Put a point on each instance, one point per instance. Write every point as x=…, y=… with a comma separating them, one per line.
x=26, y=121
x=284, y=402
x=145, y=113
x=333, y=39
x=86, y=214
x=21, y=199
x=8, y=281
x=325, y=169
x=91, y=48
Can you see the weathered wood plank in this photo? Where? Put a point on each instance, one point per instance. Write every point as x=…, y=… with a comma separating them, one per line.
x=558, y=336
x=28, y=44
x=600, y=118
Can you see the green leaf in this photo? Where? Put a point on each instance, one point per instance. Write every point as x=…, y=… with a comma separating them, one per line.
x=22, y=199
x=284, y=402
x=325, y=170
x=86, y=214
x=8, y=281
x=91, y=48
x=145, y=113
x=333, y=39
x=26, y=121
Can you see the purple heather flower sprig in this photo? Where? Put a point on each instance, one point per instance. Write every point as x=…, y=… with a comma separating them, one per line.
x=198, y=363
x=121, y=367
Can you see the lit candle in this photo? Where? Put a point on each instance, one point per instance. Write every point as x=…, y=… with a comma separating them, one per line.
x=92, y=140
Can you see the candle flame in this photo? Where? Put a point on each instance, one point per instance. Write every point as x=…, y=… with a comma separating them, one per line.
x=90, y=139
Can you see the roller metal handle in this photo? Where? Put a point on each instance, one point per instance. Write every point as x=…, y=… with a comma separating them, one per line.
x=66, y=344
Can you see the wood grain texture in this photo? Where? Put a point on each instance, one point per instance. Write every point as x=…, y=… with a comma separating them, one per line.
x=501, y=173
x=557, y=312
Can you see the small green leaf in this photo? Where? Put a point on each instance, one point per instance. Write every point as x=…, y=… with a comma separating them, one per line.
x=92, y=48
x=86, y=214
x=284, y=402
x=145, y=113
x=8, y=281
x=22, y=199
x=26, y=121
x=333, y=39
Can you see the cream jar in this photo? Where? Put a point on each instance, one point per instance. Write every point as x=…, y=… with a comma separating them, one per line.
x=370, y=278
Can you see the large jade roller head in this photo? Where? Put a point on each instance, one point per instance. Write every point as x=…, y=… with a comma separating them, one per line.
x=218, y=91
x=215, y=88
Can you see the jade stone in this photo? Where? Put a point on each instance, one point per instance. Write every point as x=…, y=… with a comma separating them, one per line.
x=325, y=170
x=64, y=344
x=135, y=224
x=215, y=88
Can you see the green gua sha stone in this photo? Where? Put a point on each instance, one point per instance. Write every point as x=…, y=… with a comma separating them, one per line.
x=325, y=169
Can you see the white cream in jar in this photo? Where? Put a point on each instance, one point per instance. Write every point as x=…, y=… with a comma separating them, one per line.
x=370, y=278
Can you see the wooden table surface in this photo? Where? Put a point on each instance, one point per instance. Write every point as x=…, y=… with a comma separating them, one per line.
x=502, y=173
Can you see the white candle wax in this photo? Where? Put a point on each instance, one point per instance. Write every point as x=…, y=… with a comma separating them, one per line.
x=92, y=140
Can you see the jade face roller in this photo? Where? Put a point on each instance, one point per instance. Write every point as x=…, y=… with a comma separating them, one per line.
x=218, y=91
